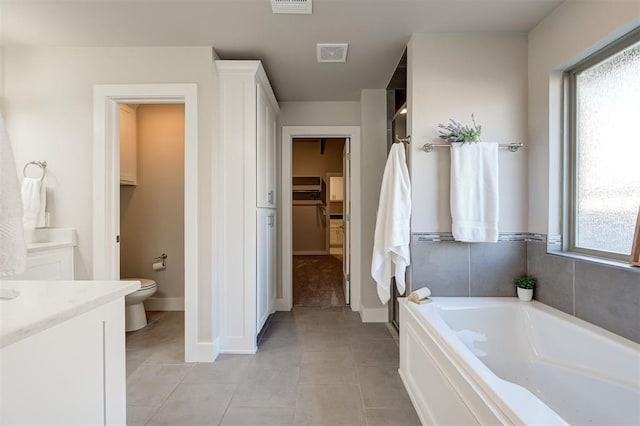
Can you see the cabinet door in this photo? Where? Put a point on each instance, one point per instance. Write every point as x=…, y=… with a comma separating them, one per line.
x=272, y=262
x=271, y=157
x=336, y=188
x=56, y=264
x=128, y=146
x=266, y=265
x=266, y=152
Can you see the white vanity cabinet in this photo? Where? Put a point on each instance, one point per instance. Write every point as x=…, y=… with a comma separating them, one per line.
x=50, y=255
x=55, y=263
x=62, y=353
x=248, y=111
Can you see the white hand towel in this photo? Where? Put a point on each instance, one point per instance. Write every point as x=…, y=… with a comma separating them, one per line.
x=393, y=227
x=474, y=192
x=34, y=202
x=13, y=252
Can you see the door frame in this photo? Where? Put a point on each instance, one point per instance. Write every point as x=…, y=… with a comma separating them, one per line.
x=106, y=190
x=285, y=303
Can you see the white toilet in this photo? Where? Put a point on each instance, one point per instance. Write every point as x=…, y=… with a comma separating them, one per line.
x=135, y=316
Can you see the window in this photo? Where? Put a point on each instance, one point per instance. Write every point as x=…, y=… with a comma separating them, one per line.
x=604, y=150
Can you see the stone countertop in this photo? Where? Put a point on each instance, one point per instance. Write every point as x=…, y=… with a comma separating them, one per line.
x=43, y=304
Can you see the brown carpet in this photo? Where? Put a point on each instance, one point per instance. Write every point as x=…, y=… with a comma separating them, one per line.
x=317, y=281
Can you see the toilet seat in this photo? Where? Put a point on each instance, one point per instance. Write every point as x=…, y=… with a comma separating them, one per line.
x=144, y=282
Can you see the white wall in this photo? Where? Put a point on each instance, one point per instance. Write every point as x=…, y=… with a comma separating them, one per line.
x=1, y=71
x=1, y=80
x=572, y=32
x=319, y=114
x=49, y=104
x=373, y=158
x=152, y=212
x=453, y=76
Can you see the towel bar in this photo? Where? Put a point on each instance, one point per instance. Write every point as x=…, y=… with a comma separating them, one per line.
x=428, y=147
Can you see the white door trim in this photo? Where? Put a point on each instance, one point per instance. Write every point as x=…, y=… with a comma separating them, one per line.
x=106, y=169
x=288, y=133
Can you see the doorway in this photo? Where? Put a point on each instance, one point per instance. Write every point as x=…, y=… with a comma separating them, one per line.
x=315, y=190
x=152, y=201
x=319, y=206
x=106, y=209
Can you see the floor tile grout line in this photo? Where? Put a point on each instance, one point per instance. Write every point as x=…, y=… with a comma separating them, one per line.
x=226, y=408
x=364, y=412
x=165, y=400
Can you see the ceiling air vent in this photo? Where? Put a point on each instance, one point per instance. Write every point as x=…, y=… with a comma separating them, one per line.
x=292, y=6
x=334, y=52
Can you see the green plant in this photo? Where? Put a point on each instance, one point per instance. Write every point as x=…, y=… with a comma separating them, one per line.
x=525, y=281
x=456, y=132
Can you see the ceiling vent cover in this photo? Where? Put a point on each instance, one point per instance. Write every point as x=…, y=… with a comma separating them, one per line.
x=292, y=6
x=334, y=52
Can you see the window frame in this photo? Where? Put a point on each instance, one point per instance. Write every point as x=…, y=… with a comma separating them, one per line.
x=571, y=144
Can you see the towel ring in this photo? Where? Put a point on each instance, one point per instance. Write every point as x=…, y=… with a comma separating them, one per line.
x=41, y=164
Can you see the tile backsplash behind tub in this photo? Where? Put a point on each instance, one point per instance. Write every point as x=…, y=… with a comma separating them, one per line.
x=604, y=295
x=452, y=268
x=607, y=296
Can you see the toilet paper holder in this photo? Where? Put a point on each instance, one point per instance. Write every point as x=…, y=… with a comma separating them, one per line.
x=163, y=257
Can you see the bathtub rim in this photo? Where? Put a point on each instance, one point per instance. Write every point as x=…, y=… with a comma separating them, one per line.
x=627, y=344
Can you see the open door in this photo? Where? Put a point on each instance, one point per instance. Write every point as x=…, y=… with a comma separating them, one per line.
x=346, y=216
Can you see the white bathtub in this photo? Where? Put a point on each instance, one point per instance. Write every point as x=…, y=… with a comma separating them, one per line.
x=501, y=361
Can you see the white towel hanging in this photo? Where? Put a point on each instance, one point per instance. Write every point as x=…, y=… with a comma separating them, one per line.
x=34, y=202
x=474, y=192
x=393, y=227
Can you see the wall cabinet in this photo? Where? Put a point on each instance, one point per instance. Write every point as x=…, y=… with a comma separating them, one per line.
x=128, y=145
x=248, y=110
x=336, y=188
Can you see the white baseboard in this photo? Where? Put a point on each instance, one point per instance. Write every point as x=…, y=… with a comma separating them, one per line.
x=203, y=352
x=240, y=351
x=311, y=253
x=164, y=304
x=380, y=314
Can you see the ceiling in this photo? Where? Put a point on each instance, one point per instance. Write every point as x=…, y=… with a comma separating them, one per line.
x=377, y=32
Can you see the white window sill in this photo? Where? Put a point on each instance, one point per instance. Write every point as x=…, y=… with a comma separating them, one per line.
x=597, y=260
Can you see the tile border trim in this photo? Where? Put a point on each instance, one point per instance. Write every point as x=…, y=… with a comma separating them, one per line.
x=503, y=236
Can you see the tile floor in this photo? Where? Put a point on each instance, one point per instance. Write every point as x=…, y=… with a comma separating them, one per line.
x=314, y=366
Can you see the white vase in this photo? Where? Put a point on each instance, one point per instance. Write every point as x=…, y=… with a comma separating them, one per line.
x=525, y=294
